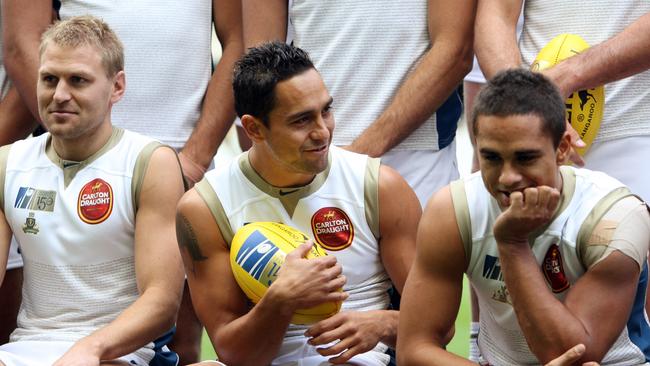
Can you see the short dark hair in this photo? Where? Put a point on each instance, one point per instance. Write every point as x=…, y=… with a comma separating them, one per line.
x=520, y=92
x=259, y=71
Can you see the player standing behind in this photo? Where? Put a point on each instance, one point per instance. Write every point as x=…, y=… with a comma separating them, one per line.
x=392, y=66
x=540, y=244
x=293, y=175
x=92, y=207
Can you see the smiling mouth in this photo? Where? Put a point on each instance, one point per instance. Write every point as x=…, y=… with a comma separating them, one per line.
x=317, y=149
x=63, y=112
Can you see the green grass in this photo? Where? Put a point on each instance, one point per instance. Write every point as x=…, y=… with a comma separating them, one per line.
x=458, y=345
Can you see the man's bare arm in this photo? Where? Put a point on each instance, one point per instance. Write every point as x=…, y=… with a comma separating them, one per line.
x=158, y=269
x=264, y=21
x=433, y=289
x=399, y=215
x=16, y=121
x=496, y=35
x=5, y=243
x=623, y=55
x=552, y=326
x=23, y=22
x=217, y=112
x=220, y=304
x=437, y=75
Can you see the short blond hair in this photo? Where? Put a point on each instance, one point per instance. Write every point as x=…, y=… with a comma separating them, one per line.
x=87, y=30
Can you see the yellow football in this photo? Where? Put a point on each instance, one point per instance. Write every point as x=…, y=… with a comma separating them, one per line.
x=257, y=253
x=584, y=108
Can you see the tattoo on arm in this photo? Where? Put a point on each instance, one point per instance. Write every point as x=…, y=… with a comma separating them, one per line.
x=187, y=238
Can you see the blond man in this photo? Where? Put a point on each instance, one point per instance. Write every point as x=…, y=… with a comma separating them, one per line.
x=98, y=288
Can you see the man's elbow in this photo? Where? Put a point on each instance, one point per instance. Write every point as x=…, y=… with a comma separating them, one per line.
x=459, y=56
x=465, y=58
x=14, y=55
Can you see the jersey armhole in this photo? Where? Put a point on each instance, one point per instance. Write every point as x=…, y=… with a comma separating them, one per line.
x=211, y=199
x=4, y=156
x=461, y=210
x=140, y=169
x=371, y=195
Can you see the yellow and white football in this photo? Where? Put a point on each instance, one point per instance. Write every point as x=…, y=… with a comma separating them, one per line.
x=584, y=108
x=257, y=253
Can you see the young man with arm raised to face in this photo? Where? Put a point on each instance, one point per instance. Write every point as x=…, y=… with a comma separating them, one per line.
x=540, y=242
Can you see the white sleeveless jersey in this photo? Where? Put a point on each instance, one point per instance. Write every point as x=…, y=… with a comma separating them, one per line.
x=364, y=51
x=167, y=62
x=586, y=196
x=627, y=101
x=332, y=210
x=75, y=226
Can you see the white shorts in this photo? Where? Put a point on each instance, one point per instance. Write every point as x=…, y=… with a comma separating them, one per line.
x=625, y=159
x=297, y=352
x=37, y=353
x=15, y=259
x=426, y=171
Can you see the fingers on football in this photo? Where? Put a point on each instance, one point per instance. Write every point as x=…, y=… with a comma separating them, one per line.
x=301, y=251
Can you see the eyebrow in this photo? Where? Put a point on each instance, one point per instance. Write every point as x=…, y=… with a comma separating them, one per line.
x=518, y=152
x=308, y=112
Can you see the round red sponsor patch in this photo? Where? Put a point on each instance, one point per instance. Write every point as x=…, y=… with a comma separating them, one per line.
x=332, y=228
x=95, y=202
x=554, y=270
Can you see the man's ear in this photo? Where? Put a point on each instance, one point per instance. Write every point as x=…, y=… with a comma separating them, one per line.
x=254, y=128
x=119, y=86
x=563, y=151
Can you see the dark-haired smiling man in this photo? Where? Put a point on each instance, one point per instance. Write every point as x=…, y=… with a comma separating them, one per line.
x=292, y=174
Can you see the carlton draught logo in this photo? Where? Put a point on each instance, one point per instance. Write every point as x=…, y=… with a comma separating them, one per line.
x=554, y=270
x=332, y=228
x=95, y=201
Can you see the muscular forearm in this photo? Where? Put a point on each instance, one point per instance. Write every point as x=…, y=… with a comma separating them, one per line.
x=435, y=78
x=238, y=342
x=22, y=67
x=549, y=327
x=264, y=21
x=218, y=112
x=626, y=54
x=389, y=320
x=22, y=24
x=496, y=37
x=146, y=319
x=426, y=353
x=16, y=122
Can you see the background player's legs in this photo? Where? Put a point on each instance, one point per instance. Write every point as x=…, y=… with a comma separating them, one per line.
x=187, y=339
x=10, y=297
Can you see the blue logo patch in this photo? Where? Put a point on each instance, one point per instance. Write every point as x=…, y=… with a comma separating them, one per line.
x=35, y=199
x=255, y=254
x=492, y=268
